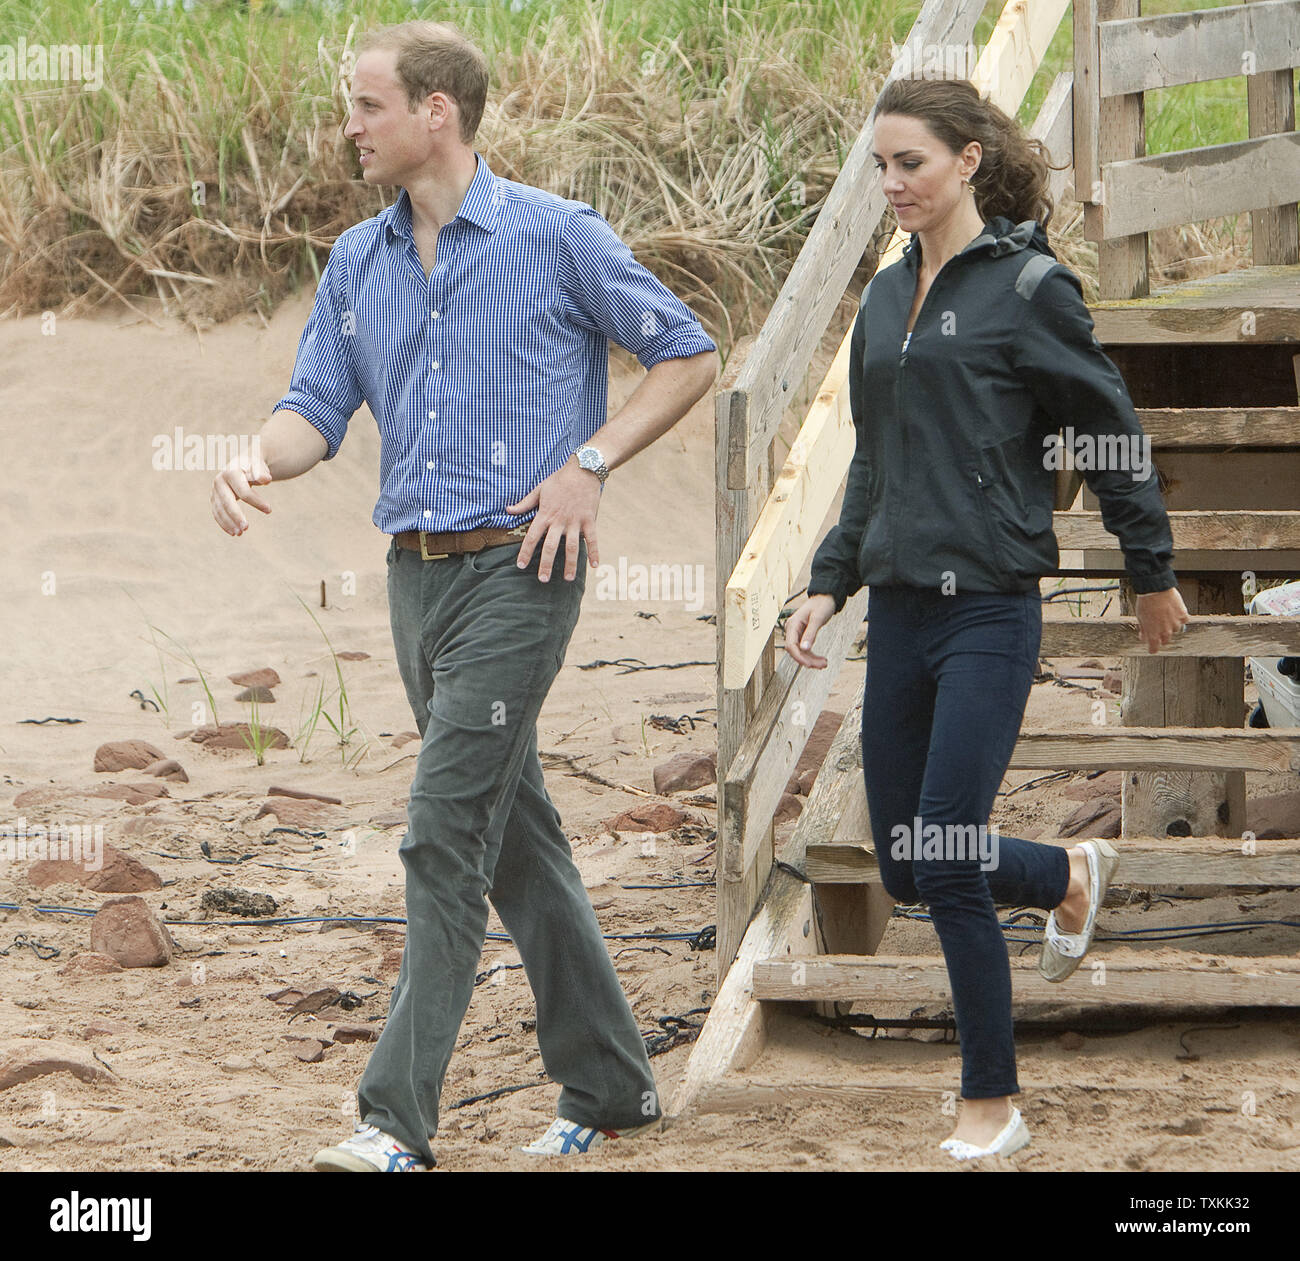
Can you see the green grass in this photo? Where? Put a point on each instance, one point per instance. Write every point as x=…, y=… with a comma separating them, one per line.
x=707, y=132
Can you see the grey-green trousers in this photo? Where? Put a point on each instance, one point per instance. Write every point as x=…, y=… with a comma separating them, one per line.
x=479, y=642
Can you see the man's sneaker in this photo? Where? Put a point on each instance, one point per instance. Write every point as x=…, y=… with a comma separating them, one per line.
x=564, y=1138
x=369, y=1150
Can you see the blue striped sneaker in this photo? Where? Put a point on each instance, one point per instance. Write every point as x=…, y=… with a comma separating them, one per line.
x=566, y=1138
x=369, y=1150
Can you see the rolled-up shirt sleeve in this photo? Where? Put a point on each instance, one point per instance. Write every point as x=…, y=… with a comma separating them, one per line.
x=609, y=292
x=324, y=389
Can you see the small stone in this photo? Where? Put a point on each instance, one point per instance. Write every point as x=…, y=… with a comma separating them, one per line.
x=231, y=735
x=1100, y=818
x=353, y=656
x=122, y=755
x=239, y=903
x=789, y=807
x=1071, y=1041
x=650, y=816
x=265, y=677
x=168, y=768
x=117, y=872
x=90, y=963
x=235, y=1064
x=354, y=1033
x=262, y=695
x=405, y=738
x=24, y=1064
x=128, y=931
x=686, y=770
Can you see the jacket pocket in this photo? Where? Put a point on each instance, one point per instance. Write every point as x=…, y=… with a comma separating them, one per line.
x=983, y=484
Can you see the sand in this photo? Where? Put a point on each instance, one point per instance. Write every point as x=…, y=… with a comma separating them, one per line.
x=100, y=545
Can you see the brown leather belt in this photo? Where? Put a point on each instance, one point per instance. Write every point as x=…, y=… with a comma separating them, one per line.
x=455, y=542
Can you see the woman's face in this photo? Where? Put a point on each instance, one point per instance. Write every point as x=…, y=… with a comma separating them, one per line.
x=919, y=175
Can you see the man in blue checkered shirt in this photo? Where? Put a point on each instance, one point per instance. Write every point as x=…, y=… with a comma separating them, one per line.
x=473, y=316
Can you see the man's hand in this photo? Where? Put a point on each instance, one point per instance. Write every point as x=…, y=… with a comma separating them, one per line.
x=566, y=503
x=1161, y=615
x=801, y=629
x=236, y=482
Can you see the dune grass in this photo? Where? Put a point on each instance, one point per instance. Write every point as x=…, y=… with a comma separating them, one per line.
x=209, y=170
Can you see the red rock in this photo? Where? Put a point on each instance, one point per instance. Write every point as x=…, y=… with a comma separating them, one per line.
x=353, y=656
x=89, y=963
x=824, y=731
x=25, y=1063
x=262, y=695
x=119, y=873
x=168, y=768
x=292, y=813
x=132, y=794
x=789, y=807
x=123, y=755
x=405, y=738
x=265, y=677
x=1100, y=818
x=128, y=930
x=309, y=1050
x=650, y=816
x=230, y=735
x=686, y=770
x=296, y=1001
x=355, y=1033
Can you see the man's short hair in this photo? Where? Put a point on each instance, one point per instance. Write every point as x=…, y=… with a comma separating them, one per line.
x=436, y=57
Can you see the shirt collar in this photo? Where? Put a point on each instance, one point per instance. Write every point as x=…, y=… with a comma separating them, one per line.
x=482, y=204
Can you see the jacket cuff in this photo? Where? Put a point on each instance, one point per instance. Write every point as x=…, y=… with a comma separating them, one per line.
x=838, y=591
x=1161, y=580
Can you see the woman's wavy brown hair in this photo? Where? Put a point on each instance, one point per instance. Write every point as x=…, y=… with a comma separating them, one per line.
x=1012, y=175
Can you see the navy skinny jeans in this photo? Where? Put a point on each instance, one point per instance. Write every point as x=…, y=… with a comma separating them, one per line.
x=947, y=681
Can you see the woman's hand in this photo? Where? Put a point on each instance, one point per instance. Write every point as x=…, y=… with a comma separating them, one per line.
x=801, y=629
x=1161, y=615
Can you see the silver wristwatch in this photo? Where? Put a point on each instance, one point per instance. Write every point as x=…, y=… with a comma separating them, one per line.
x=592, y=460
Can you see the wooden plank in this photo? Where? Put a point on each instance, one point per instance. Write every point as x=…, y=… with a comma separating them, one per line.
x=1207, y=635
x=1121, y=134
x=734, y=1030
x=1253, y=304
x=1138, y=54
x=1187, y=748
x=775, y=740
x=1053, y=126
x=1164, y=190
x=1144, y=862
x=1217, y=428
x=1192, y=530
x=1113, y=976
x=1182, y=691
x=1270, y=108
x=1087, y=104
x=830, y=254
x=787, y=527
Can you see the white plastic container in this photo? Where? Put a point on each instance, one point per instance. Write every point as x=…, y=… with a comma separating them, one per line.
x=1279, y=694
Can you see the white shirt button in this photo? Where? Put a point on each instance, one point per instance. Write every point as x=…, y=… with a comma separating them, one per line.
x=427, y=513
x=434, y=314
x=429, y=464
x=435, y=365
x=433, y=415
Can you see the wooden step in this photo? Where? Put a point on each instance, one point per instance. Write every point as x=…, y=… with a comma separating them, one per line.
x=1113, y=976
x=1183, y=748
x=1216, y=428
x=1144, y=862
x=1207, y=635
x=1193, y=530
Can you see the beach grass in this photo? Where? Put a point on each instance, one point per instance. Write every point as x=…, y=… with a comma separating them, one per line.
x=208, y=171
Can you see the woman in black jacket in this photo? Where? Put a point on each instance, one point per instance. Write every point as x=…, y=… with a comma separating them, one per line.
x=967, y=357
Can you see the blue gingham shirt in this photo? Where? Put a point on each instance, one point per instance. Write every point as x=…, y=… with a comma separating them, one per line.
x=487, y=374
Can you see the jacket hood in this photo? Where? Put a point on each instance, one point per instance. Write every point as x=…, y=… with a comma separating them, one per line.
x=1000, y=236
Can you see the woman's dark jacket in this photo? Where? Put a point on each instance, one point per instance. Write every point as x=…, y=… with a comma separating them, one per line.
x=950, y=486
